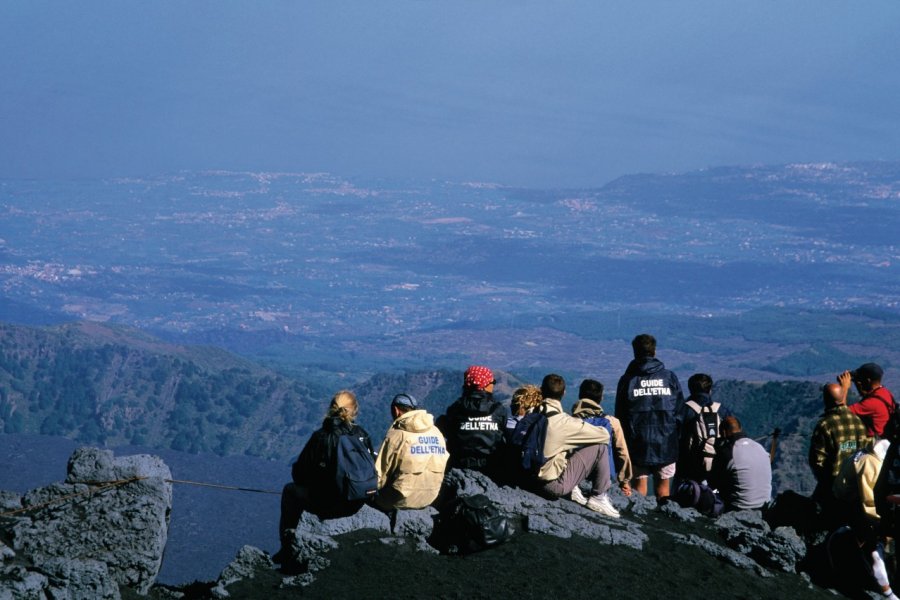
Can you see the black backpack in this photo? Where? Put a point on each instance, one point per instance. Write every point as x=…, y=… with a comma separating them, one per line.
x=354, y=469
x=469, y=524
x=691, y=494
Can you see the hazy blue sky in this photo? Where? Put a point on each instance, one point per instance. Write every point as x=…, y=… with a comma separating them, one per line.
x=518, y=92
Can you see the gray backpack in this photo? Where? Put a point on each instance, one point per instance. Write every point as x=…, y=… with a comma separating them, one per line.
x=705, y=431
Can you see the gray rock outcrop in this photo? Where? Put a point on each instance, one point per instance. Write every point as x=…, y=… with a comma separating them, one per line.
x=105, y=526
x=747, y=532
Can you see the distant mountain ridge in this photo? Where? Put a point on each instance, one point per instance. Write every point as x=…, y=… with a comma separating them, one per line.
x=112, y=385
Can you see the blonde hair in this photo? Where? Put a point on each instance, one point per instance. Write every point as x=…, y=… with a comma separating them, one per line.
x=525, y=398
x=344, y=406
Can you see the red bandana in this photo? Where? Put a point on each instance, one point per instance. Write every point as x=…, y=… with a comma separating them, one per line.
x=478, y=377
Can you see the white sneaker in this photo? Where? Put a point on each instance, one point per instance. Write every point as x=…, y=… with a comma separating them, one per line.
x=601, y=504
x=577, y=497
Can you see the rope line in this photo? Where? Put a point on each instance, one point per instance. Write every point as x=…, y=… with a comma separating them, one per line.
x=103, y=485
x=222, y=487
x=98, y=488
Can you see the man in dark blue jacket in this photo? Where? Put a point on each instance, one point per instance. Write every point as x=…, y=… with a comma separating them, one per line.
x=648, y=402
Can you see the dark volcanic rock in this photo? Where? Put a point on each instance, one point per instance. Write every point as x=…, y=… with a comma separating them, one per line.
x=107, y=525
x=748, y=533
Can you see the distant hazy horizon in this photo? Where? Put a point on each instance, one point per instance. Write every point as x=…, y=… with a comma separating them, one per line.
x=522, y=93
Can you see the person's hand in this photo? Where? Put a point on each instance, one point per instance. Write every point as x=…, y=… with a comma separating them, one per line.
x=625, y=487
x=846, y=380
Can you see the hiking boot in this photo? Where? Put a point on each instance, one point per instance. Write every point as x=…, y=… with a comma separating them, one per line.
x=577, y=497
x=601, y=504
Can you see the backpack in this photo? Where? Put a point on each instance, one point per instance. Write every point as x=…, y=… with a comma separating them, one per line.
x=469, y=524
x=892, y=427
x=354, y=469
x=691, y=494
x=704, y=430
x=529, y=437
x=602, y=421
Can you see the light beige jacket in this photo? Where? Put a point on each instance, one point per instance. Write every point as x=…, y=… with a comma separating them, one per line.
x=585, y=408
x=411, y=462
x=564, y=433
x=855, y=481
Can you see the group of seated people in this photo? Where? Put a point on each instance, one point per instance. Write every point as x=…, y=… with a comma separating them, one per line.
x=655, y=431
x=478, y=432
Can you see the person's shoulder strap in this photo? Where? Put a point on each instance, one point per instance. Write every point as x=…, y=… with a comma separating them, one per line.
x=694, y=406
x=548, y=412
x=715, y=406
x=889, y=401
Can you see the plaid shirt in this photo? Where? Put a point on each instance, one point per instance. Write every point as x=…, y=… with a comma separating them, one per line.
x=838, y=434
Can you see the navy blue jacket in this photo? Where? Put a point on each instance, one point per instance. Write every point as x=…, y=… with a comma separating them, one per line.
x=474, y=429
x=648, y=402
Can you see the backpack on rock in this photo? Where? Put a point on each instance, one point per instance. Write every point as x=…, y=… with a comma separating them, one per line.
x=470, y=524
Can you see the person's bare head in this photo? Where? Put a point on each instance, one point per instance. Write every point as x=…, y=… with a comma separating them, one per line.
x=553, y=386
x=644, y=346
x=731, y=426
x=344, y=406
x=833, y=395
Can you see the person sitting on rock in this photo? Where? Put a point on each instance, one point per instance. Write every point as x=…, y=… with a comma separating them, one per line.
x=412, y=458
x=854, y=492
x=574, y=451
x=314, y=487
x=741, y=470
x=590, y=394
x=473, y=425
x=524, y=400
x=854, y=486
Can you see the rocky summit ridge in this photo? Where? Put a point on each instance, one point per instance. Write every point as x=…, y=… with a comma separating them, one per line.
x=87, y=538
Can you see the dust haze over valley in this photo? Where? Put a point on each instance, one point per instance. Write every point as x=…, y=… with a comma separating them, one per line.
x=213, y=216
x=739, y=271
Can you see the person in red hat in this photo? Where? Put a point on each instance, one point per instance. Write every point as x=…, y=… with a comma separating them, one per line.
x=473, y=425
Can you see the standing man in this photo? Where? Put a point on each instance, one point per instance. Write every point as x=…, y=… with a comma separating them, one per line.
x=838, y=434
x=412, y=458
x=648, y=400
x=876, y=403
x=473, y=425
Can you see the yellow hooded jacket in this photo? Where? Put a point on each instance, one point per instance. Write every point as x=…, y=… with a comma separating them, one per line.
x=411, y=462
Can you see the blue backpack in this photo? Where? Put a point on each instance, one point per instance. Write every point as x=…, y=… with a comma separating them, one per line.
x=354, y=474
x=529, y=437
x=602, y=421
